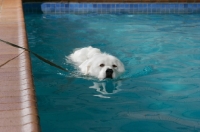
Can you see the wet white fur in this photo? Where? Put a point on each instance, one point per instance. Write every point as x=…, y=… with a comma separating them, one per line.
x=89, y=59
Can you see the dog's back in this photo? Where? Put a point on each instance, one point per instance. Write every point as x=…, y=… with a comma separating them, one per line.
x=81, y=55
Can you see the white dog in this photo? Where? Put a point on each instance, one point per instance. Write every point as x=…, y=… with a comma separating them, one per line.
x=93, y=62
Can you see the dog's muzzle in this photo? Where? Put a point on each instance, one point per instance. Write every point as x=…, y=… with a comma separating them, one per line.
x=109, y=73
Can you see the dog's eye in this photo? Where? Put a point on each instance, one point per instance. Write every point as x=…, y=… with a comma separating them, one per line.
x=102, y=65
x=114, y=66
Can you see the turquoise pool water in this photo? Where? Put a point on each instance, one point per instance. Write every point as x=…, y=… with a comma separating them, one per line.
x=159, y=92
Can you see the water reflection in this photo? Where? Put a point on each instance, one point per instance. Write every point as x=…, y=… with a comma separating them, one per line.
x=106, y=88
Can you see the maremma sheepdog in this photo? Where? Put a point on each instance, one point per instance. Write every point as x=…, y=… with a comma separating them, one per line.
x=93, y=62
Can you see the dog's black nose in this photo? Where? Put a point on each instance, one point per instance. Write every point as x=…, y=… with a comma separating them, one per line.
x=109, y=73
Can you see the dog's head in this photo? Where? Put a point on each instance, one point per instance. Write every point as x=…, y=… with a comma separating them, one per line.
x=102, y=66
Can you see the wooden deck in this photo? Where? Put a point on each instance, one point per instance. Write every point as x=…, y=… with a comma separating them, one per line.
x=18, y=112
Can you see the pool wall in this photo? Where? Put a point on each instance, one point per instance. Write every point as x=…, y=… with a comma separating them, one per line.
x=148, y=8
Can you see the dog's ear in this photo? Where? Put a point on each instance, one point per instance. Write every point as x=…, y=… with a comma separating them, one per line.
x=121, y=68
x=85, y=66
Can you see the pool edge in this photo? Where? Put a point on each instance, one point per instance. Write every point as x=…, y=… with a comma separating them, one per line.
x=18, y=110
x=130, y=8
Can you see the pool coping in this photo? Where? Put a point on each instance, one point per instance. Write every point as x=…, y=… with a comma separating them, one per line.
x=18, y=110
